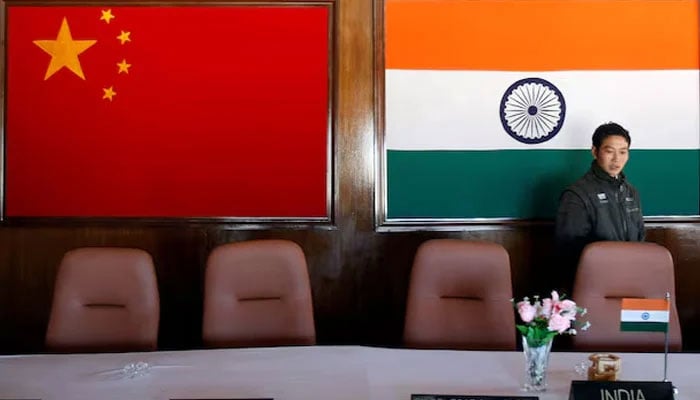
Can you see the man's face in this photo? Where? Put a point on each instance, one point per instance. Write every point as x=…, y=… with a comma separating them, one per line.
x=612, y=154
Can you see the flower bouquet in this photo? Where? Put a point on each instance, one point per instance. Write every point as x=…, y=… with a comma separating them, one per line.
x=543, y=319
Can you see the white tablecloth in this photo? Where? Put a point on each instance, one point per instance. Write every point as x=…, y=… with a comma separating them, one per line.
x=314, y=372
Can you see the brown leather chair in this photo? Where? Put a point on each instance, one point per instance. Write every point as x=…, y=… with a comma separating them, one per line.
x=610, y=271
x=105, y=300
x=257, y=293
x=460, y=297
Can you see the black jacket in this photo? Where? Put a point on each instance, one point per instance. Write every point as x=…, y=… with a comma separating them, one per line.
x=599, y=207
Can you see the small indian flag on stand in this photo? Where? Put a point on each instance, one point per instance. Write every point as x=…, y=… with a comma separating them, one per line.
x=644, y=315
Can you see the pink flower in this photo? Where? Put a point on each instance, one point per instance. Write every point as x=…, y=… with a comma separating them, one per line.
x=546, y=309
x=567, y=308
x=559, y=323
x=555, y=296
x=527, y=311
x=544, y=318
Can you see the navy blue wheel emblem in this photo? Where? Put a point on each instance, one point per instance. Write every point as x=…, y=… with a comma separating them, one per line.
x=532, y=110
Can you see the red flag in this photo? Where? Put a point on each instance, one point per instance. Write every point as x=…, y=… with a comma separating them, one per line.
x=200, y=111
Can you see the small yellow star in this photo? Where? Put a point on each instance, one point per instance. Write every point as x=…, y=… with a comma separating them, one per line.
x=124, y=37
x=123, y=67
x=107, y=16
x=109, y=93
x=64, y=51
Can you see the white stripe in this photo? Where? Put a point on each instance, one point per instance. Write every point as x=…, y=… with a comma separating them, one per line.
x=432, y=110
x=638, y=316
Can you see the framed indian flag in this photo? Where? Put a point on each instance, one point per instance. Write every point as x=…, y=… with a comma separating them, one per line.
x=487, y=107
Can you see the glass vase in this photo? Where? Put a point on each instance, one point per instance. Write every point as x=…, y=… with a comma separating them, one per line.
x=536, y=360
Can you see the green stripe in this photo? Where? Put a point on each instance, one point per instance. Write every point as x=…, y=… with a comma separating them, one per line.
x=527, y=183
x=643, y=326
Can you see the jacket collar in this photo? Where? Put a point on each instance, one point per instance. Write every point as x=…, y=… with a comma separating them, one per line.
x=600, y=174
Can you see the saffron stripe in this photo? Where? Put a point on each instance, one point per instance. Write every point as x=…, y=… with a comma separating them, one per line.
x=645, y=304
x=541, y=35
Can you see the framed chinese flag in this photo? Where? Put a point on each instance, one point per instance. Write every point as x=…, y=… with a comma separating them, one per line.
x=168, y=111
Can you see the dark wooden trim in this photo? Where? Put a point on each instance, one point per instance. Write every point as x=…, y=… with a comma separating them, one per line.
x=359, y=276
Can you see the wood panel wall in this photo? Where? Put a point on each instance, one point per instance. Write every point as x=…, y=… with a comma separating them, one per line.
x=359, y=276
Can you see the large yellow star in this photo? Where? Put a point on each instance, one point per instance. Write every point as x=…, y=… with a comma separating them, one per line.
x=64, y=51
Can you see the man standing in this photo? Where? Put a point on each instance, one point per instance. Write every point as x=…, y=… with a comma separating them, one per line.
x=601, y=205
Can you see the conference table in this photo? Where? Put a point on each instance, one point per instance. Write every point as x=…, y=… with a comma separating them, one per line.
x=312, y=372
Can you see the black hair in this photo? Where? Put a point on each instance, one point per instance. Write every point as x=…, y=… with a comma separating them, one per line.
x=609, y=129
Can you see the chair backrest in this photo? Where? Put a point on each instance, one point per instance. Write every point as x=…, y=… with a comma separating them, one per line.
x=105, y=299
x=257, y=293
x=610, y=271
x=459, y=297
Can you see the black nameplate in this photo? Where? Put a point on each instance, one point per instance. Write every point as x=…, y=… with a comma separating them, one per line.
x=620, y=390
x=468, y=397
